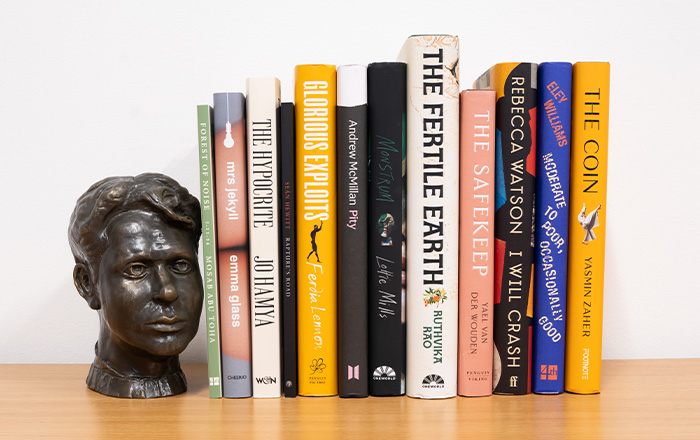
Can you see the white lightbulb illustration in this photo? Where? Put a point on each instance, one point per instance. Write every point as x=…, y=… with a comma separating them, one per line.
x=228, y=142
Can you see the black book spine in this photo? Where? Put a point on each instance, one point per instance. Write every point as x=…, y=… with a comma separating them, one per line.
x=288, y=251
x=515, y=229
x=387, y=145
x=352, y=247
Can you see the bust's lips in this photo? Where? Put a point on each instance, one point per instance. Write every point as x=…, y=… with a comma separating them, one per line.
x=166, y=324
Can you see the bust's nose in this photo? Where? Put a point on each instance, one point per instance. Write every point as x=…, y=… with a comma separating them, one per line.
x=165, y=289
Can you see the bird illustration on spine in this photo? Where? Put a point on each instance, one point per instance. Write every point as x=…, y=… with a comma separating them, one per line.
x=588, y=222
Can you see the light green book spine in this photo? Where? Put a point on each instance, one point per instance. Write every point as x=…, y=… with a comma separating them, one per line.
x=211, y=287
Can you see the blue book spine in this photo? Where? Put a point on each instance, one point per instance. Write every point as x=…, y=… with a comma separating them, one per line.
x=551, y=225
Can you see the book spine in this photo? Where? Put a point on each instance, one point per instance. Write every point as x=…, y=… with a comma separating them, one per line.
x=387, y=149
x=476, y=235
x=589, y=172
x=516, y=115
x=317, y=226
x=211, y=282
x=551, y=226
x=432, y=218
x=232, y=236
x=263, y=105
x=288, y=250
x=352, y=230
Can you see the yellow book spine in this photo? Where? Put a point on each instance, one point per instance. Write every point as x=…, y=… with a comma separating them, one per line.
x=589, y=171
x=316, y=229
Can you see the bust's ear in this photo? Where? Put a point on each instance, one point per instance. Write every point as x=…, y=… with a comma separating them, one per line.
x=86, y=288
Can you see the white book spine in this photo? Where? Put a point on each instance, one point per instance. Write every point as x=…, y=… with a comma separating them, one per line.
x=352, y=85
x=432, y=217
x=262, y=110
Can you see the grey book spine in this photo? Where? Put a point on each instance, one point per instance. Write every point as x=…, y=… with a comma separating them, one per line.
x=352, y=245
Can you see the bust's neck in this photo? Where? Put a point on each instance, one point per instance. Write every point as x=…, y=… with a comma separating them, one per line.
x=105, y=379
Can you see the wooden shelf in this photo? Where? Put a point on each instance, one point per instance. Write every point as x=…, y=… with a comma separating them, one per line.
x=640, y=399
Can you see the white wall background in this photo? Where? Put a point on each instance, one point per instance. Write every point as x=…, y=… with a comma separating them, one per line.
x=92, y=89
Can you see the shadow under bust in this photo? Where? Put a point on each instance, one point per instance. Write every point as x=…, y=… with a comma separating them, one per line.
x=135, y=242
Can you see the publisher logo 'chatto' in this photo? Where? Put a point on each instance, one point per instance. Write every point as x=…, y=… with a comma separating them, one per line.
x=353, y=372
x=433, y=381
x=384, y=373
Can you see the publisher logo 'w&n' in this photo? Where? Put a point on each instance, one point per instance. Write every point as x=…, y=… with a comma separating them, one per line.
x=384, y=373
x=433, y=381
x=267, y=380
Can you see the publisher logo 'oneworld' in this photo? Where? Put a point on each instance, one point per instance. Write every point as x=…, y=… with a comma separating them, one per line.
x=267, y=380
x=384, y=373
x=433, y=381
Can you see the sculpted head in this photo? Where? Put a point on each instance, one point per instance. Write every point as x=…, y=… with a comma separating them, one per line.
x=135, y=242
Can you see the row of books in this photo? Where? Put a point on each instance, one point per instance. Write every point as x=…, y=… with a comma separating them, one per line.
x=389, y=233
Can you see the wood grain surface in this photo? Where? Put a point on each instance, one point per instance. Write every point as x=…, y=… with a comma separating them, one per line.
x=654, y=399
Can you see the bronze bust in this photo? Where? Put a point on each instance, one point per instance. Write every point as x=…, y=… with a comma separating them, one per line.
x=135, y=243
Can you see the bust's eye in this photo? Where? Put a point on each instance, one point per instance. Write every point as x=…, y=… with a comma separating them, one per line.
x=182, y=266
x=135, y=270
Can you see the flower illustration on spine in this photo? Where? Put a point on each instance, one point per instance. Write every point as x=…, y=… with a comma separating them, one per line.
x=434, y=296
x=317, y=365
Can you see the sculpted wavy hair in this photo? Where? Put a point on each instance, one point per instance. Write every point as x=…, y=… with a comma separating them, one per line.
x=151, y=192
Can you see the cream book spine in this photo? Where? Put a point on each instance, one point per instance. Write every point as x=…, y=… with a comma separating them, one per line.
x=432, y=217
x=263, y=106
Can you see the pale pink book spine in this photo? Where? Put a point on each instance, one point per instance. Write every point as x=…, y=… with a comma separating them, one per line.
x=476, y=277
